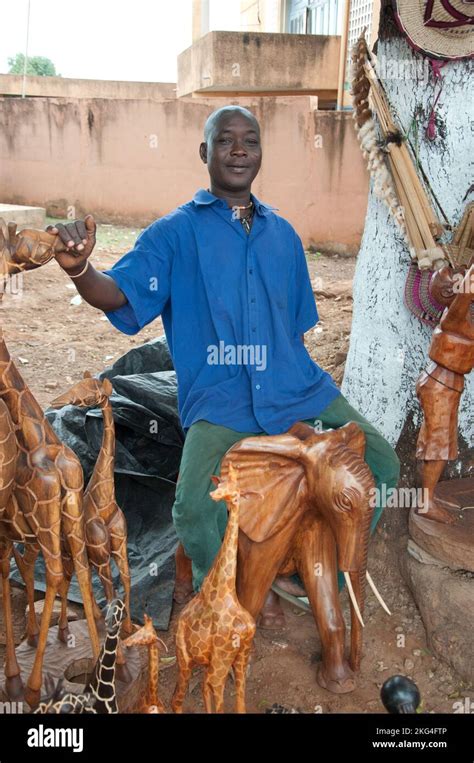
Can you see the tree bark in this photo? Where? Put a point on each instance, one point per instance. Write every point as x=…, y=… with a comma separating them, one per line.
x=388, y=345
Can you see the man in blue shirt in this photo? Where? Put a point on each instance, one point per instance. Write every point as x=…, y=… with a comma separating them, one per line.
x=230, y=280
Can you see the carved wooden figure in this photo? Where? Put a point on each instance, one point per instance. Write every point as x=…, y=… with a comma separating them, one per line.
x=440, y=386
x=106, y=526
x=102, y=682
x=149, y=702
x=214, y=629
x=8, y=533
x=26, y=250
x=59, y=702
x=305, y=507
x=47, y=491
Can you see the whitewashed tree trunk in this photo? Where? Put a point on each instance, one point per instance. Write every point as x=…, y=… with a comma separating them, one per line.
x=388, y=345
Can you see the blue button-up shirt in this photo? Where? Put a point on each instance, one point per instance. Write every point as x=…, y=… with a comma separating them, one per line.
x=234, y=306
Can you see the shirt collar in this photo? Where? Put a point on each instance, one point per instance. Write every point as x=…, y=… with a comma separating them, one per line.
x=203, y=197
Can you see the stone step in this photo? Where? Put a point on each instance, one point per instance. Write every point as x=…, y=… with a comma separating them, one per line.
x=451, y=544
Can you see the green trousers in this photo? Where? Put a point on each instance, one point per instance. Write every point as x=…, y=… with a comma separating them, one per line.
x=200, y=522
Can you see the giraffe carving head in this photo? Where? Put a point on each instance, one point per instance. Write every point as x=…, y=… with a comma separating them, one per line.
x=114, y=616
x=25, y=250
x=86, y=393
x=226, y=489
x=145, y=636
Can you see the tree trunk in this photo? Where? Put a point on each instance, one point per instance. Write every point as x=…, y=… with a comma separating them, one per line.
x=388, y=345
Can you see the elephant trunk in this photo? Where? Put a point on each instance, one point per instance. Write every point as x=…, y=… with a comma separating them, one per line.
x=358, y=580
x=358, y=585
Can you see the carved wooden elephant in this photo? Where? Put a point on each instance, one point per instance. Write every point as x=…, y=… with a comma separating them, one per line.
x=306, y=508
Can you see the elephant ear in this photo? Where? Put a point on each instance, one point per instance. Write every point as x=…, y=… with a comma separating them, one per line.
x=353, y=437
x=271, y=481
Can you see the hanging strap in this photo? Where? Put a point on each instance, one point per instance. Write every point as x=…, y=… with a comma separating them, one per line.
x=436, y=67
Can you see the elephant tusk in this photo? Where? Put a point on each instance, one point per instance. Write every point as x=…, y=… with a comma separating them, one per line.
x=377, y=594
x=353, y=598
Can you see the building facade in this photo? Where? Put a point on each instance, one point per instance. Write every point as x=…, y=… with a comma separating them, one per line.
x=314, y=16
x=327, y=17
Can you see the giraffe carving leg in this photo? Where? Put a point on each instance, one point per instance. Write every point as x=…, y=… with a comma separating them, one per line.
x=240, y=677
x=63, y=624
x=216, y=680
x=73, y=524
x=184, y=674
x=118, y=548
x=33, y=688
x=207, y=695
x=122, y=671
x=105, y=575
x=26, y=566
x=13, y=682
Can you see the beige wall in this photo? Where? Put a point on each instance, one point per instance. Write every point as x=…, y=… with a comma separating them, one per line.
x=63, y=87
x=249, y=62
x=136, y=160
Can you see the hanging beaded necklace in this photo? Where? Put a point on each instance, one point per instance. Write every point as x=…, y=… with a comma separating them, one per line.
x=246, y=219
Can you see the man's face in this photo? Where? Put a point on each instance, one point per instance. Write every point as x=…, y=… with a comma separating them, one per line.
x=234, y=154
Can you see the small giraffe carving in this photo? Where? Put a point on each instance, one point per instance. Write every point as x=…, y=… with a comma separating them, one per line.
x=102, y=682
x=101, y=511
x=59, y=702
x=214, y=630
x=149, y=702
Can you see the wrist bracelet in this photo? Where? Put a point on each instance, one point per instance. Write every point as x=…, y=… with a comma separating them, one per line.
x=81, y=272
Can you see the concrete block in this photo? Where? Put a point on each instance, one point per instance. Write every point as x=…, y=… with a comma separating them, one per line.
x=24, y=217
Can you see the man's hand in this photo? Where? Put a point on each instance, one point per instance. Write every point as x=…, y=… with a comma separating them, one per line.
x=79, y=241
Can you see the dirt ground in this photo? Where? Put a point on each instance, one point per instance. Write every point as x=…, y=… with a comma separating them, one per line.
x=53, y=340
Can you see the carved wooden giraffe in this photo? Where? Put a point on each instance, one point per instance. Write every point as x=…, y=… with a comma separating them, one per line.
x=26, y=250
x=149, y=702
x=59, y=702
x=102, y=682
x=214, y=630
x=47, y=492
x=100, y=507
x=68, y=704
x=9, y=531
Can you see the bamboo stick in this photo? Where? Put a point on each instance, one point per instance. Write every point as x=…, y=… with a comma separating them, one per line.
x=419, y=215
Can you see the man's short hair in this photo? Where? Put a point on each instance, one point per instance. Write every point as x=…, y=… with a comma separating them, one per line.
x=213, y=120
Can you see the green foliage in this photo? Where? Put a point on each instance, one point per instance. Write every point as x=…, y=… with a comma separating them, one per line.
x=38, y=66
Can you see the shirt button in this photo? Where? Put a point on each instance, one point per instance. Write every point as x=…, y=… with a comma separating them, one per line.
x=253, y=299
x=257, y=386
x=250, y=271
x=253, y=329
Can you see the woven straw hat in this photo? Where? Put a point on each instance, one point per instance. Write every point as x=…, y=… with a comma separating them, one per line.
x=438, y=28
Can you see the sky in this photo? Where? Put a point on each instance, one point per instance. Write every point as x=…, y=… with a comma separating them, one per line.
x=107, y=39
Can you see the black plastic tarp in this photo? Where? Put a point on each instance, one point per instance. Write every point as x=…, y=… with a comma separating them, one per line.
x=149, y=441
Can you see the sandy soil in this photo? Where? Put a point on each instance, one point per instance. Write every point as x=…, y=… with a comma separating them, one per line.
x=54, y=340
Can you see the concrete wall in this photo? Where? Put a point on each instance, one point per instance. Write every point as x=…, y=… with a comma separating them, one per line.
x=136, y=160
x=253, y=62
x=64, y=87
